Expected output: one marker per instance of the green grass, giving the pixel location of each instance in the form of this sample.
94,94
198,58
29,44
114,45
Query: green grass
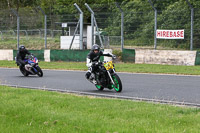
37,111
157,68
30,43
120,67
36,43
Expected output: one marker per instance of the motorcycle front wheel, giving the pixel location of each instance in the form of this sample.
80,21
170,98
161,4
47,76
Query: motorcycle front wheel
118,84
40,73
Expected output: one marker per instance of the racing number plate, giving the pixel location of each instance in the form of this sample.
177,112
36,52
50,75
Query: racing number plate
108,65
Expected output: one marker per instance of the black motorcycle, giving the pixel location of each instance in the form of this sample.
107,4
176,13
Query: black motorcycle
106,77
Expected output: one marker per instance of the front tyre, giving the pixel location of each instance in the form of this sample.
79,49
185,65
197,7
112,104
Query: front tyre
40,73
118,84
99,87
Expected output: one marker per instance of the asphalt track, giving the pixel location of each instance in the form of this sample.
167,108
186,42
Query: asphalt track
175,89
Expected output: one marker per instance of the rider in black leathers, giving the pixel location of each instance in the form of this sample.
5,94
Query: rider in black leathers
93,59
21,54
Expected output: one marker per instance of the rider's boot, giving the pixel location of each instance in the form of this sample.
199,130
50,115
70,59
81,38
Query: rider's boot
92,78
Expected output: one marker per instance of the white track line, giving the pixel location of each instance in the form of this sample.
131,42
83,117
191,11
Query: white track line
109,96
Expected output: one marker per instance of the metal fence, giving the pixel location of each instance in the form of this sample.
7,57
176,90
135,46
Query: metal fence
32,28
129,24
140,25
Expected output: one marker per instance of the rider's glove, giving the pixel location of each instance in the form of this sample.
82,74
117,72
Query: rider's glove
114,56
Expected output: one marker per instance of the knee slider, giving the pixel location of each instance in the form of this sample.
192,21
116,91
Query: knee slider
87,75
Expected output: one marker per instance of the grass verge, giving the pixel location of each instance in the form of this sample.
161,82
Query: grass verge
31,43
25,110
120,67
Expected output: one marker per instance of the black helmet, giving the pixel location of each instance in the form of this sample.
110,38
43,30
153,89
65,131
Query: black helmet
21,48
95,47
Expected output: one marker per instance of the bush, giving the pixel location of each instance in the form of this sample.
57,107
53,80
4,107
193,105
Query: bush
118,53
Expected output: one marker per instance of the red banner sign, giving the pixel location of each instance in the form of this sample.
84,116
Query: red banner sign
170,34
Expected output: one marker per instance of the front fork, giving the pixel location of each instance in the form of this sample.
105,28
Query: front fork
111,78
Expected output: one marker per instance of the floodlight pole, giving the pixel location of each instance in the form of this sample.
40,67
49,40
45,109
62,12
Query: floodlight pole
18,26
45,27
81,26
122,26
155,25
192,24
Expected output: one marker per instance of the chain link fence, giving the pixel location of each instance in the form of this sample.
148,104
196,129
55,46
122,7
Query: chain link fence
179,17
32,28
138,26
109,23
139,23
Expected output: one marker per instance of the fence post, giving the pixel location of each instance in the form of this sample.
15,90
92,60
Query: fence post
81,26
94,20
40,33
192,24
45,31
26,34
122,26
92,23
45,27
155,25
18,26
74,34
1,35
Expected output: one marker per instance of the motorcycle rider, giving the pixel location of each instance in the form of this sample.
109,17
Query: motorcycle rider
93,60
21,54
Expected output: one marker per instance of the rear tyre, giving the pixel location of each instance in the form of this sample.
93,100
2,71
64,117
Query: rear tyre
118,84
23,71
40,73
99,87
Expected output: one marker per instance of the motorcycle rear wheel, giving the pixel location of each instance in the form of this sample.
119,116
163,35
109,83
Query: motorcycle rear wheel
118,83
99,87
40,73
